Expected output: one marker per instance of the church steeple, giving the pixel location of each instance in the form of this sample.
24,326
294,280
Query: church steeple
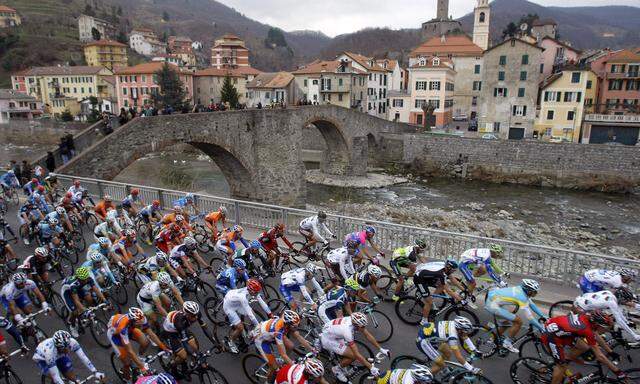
482,15
443,10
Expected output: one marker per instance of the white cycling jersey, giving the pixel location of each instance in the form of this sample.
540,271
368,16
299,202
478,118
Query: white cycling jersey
433,266
475,255
150,291
337,335
11,292
47,354
298,277
611,279
401,376
341,257
313,224
605,300
236,302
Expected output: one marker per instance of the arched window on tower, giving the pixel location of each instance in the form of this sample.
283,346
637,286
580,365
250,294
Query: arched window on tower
482,17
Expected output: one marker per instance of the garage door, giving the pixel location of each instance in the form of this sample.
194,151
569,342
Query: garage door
516,133
605,134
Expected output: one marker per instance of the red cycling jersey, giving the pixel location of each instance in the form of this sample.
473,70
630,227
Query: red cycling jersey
291,374
269,240
563,331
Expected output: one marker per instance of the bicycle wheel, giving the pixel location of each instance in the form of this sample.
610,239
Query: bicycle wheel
269,292
255,368
116,364
468,377
380,326
92,220
300,257
277,306
211,375
79,242
217,265
33,336
532,347
10,376
64,267
529,370
119,294
98,330
143,232
203,291
486,343
409,310
560,308
627,352
463,312
213,311
405,361
58,305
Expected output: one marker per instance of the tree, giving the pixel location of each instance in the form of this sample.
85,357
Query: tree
511,30
95,34
172,92
229,93
164,37
66,115
88,10
122,37
119,11
275,38
165,16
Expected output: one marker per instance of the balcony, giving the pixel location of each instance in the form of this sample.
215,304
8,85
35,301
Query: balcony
612,118
623,75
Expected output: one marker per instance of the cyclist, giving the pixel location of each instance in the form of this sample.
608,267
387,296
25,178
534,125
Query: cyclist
211,222
228,279
77,290
170,217
311,229
51,186
605,300
436,274
37,266
334,304
340,261
520,296
52,357
417,374
407,258
29,216
152,299
186,202
595,280
180,254
128,241
483,261
131,326
7,254
77,189
163,378
61,215
9,181
247,255
148,269
276,331
109,229
105,248
227,241
338,337
309,371
579,333
368,278
269,242
30,186
438,341
150,215
49,232
100,271
176,329
103,207
129,202
295,280
362,238
236,303
168,237
8,326
184,224
15,296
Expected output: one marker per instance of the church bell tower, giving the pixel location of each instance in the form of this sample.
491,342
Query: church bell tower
482,15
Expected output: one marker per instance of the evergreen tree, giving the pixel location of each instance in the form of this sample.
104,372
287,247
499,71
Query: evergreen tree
171,89
88,10
119,12
229,93
165,16
95,34
66,115
511,30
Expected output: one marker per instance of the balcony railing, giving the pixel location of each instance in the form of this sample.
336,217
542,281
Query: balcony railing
612,118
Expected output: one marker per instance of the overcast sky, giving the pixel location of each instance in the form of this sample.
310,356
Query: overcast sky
334,17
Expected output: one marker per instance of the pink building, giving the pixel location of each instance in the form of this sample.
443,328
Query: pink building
136,85
19,81
620,81
555,55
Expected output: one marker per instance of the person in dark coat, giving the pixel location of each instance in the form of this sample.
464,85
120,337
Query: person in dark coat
26,172
64,150
16,169
50,162
71,144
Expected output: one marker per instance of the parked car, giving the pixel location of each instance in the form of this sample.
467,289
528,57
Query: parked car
555,139
489,136
462,117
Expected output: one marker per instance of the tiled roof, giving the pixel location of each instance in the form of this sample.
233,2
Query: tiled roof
541,22
443,63
562,43
235,72
391,64
624,56
142,29
271,80
229,36
455,45
66,70
4,8
11,94
144,68
364,61
323,66
106,43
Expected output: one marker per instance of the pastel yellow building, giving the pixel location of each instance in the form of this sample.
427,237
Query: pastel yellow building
9,17
107,53
564,100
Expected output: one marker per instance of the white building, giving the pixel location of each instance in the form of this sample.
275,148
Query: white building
145,42
267,88
377,84
87,23
397,76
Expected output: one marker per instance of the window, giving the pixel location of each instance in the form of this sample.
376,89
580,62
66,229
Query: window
477,85
523,75
448,103
499,92
617,68
501,76
525,59
423,61
541,68
571,115
520,92
421,85
435,61
476,69
419,119
124,91
340,97
90,90
435,103
482,17
434,86
398,103
267,95
589,84
549,115
449,87
81,89
547,132
503,60
575,77
519,110
474,100
420,102
552,96
339,82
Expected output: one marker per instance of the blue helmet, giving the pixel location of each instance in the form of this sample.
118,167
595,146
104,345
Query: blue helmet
370,229
239,264
255,244
189,196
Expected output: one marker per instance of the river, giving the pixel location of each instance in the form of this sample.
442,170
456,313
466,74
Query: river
591,221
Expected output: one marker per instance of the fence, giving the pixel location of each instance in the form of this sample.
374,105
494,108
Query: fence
559,265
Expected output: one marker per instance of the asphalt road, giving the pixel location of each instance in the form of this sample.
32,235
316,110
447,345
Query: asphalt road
402,342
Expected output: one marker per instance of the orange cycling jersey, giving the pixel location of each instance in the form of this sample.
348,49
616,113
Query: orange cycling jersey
168,218
214,217
102,207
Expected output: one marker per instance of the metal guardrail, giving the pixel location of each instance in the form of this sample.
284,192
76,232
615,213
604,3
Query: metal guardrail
562,266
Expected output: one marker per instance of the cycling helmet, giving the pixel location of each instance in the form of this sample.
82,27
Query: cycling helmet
311,268
223,211
174,227
191,307
104,241
600,318
137,315
176,209
627,273
165,378
76,183
255,244
61,211
451,264
530,286
53,221
135,192
83,273
463,324
34,180
164,278
41,251
190,242
19,278
179,218
107,198
359,319
314,367
254,286
322,216
352,284
130,232
155,203
95,257
189,196
369,229
421,374
237,228
374,271
10,172
61,339
239,264
420,244
40,188
161,256
496,248
68,194
624,294
291,317
352,244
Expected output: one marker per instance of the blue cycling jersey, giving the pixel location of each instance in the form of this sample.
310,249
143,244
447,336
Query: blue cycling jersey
228,279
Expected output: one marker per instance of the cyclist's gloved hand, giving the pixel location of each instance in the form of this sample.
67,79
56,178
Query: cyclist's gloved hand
621,374
100,375
334,236
502,284
375,371
385,352
476,370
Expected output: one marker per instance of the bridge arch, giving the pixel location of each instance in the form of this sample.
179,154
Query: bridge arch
336,157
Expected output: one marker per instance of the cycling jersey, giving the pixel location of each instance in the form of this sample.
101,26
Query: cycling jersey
510,296
429,275
337,335
183,202
95,247
477,257
228,279
100,270
595,280
121,329
149,210
607,301
341,261
105,229
9,180
397,376
563,331
359,237
102,207
214,217
403,258
148,380
269,332
52,361
147,295
72,286
363,280
333,301
47,232
11,293
312,226
176,328
269,240
292,374
228,241
30,187
236,303
130,200
55,215
8,326
36,265
431,335
294,281
151,265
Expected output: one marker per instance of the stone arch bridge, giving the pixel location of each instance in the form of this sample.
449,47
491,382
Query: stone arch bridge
259,151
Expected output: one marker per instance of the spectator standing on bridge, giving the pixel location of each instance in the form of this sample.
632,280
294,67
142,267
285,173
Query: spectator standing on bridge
64,150
123,116
71,145
50,162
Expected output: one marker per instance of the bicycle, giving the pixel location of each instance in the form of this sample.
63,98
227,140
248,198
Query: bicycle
10,195
31,332
531,370
97,327
409,309
489,342
89,379
199,366
453,372
380,325
5,227
134,371
7,373
319,253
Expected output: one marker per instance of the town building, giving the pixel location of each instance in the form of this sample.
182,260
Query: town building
510,81
146,42
18,105
61,88
397,77
208,83
87,23
377,83
229,52
171,58
181,46
556,55
620,86
565,99
107,53
136,85
467,60
268,88
9,17
481,23
399,106
542,28
442,24
333,82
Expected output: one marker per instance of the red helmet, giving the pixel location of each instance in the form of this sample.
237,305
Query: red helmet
156,203
34,180
135,191
68,195
175,227
40,188
254,286
66,201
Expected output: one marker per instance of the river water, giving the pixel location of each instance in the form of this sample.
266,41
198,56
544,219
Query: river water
591,221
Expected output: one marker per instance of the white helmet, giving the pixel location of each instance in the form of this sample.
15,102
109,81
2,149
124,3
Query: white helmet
530,286
374,271
190,242
191,307
95,257
164,278
104,241
463,324
359,319
61,211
